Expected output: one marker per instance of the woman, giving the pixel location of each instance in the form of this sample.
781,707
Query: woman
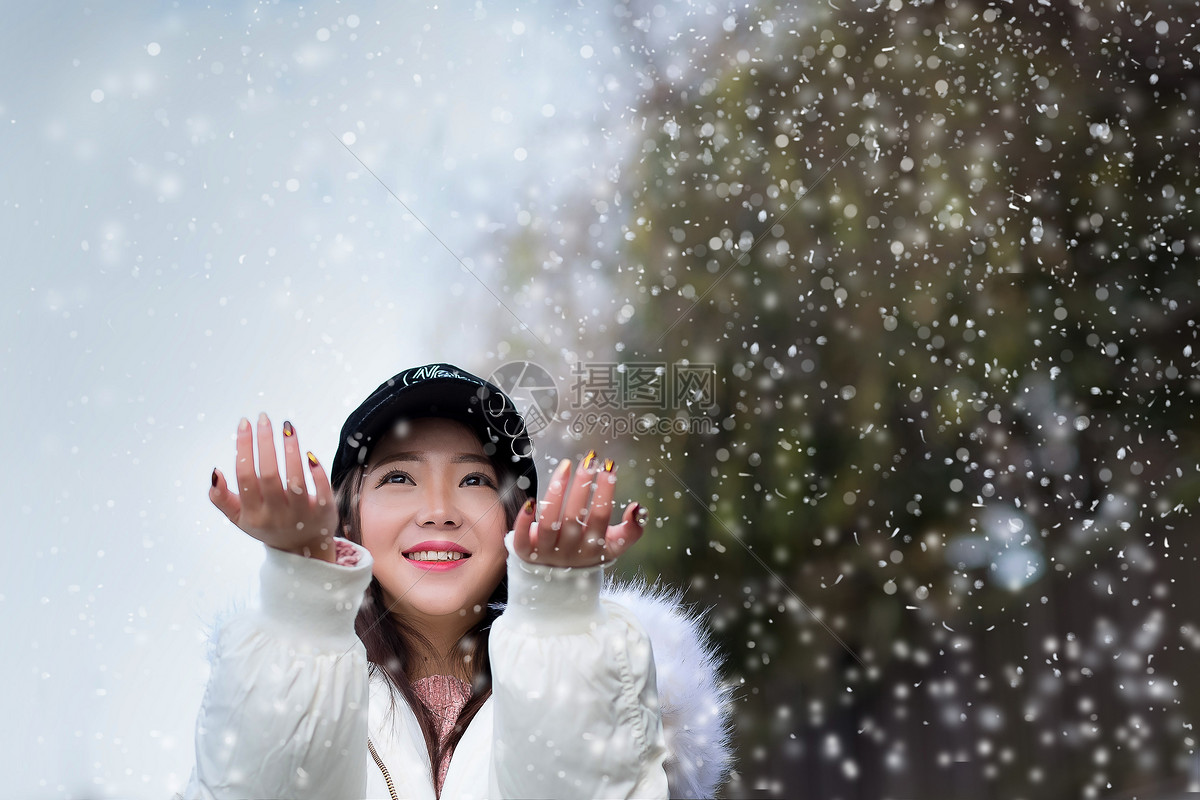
422,688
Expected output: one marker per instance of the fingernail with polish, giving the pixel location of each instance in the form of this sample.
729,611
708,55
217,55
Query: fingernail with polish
609,465
312,460
528,507
288,430
587,461
214,476
640,515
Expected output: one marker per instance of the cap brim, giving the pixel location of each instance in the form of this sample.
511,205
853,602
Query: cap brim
434,398
489,414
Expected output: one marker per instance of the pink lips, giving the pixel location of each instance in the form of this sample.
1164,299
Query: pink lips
440,546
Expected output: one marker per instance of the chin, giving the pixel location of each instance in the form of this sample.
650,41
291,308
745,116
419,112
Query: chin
442,595
435,605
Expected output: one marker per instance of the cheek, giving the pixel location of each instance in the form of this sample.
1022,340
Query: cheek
497,529
374,524
485,510
489,528
495,558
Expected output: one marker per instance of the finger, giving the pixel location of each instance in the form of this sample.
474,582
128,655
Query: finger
549,522
268,465
293,463
247,478
523,537
575,515
324,492
620,538
227,502
595,532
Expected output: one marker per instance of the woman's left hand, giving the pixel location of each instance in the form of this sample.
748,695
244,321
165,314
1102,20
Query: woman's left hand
570,527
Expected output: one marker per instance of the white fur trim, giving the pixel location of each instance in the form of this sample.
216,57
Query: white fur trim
696,705
232,609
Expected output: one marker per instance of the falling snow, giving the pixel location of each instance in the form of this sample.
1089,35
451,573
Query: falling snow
941,257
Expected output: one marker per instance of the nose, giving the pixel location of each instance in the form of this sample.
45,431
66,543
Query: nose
438,508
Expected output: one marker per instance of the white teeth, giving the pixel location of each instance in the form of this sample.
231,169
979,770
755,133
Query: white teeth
435,555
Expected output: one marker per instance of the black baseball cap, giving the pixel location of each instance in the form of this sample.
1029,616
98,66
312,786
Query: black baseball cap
438,390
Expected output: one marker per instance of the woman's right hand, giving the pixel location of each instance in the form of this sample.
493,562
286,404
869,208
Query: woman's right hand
284,517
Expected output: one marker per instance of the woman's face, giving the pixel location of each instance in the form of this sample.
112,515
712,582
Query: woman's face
433,521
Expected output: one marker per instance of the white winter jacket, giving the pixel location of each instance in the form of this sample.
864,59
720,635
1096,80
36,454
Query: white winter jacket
574,713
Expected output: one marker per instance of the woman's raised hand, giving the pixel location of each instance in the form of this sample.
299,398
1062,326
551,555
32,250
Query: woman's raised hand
285,517
572,527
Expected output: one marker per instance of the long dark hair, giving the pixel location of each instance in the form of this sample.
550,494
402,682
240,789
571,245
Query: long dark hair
391,641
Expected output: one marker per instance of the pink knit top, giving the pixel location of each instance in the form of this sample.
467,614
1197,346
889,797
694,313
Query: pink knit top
347,556
443,695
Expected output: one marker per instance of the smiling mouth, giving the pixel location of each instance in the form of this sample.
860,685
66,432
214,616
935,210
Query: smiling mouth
436,555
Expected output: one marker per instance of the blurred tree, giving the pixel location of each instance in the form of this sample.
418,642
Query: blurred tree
942,258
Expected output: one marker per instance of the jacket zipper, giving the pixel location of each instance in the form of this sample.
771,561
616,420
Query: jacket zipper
379,762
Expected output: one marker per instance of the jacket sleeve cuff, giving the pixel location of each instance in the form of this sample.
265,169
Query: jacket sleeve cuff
545,600
314,595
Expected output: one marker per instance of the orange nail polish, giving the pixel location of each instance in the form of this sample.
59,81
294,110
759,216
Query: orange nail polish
312,460
288,430
528,507
587,462
609,465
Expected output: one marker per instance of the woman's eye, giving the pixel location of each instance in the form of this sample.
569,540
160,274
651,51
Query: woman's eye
396,477
478,479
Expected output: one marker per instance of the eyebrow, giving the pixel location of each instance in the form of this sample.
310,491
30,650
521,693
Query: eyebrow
460,458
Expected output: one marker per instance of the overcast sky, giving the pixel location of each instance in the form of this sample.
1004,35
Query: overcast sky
187,240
